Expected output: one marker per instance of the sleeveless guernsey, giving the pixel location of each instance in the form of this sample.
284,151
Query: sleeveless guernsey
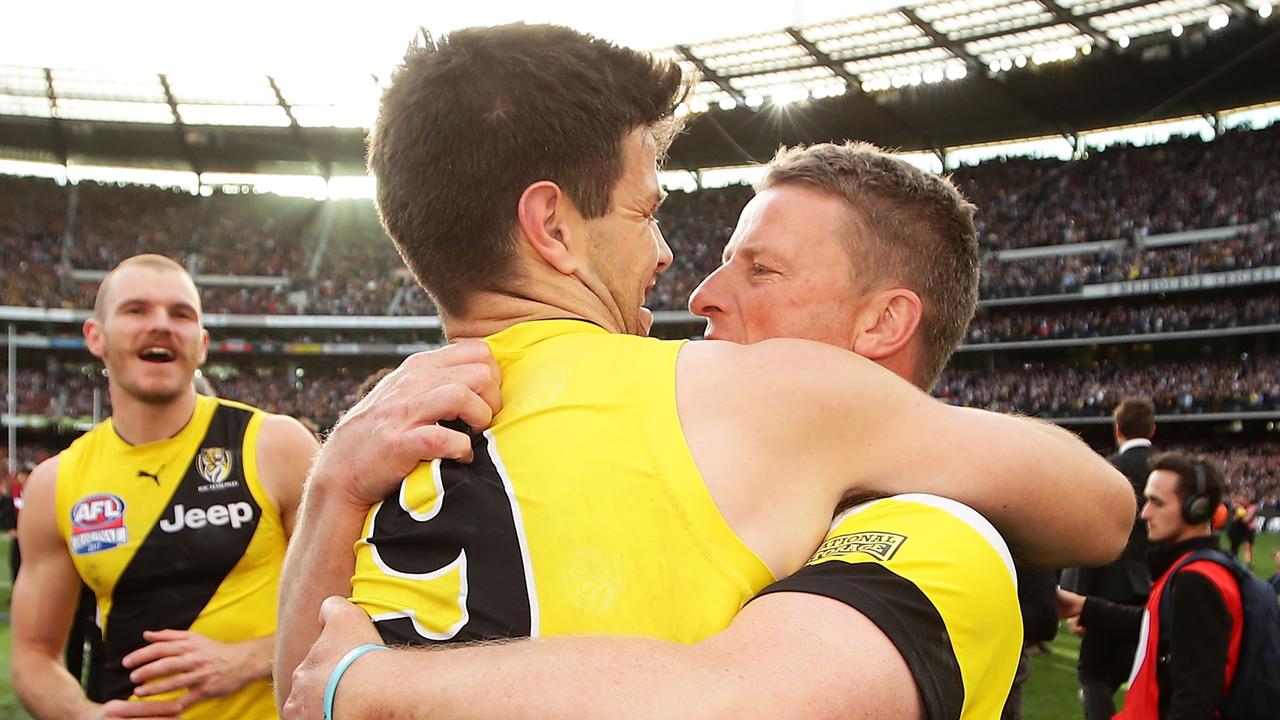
583,511
176,534
938,581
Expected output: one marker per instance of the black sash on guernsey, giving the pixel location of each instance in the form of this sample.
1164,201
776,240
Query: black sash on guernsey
476,518
180,564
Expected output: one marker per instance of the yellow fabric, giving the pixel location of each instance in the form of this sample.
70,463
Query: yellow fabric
953,556
244,605
620,534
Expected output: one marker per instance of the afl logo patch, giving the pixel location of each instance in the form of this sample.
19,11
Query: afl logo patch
879,545
97,524
214,465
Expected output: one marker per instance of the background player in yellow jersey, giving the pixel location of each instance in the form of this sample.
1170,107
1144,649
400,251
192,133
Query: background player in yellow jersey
175,511
539,219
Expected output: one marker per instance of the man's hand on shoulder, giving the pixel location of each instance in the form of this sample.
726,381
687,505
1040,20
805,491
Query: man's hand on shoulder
389,431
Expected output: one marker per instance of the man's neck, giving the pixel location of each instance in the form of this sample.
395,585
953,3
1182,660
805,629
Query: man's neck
490,312
139,423
1127,444
1191,533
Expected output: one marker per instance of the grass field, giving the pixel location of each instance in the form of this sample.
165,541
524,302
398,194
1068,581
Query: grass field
1050,693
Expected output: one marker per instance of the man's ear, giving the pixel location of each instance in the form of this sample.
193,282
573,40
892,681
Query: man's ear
93,339
888,323
541,216
204,346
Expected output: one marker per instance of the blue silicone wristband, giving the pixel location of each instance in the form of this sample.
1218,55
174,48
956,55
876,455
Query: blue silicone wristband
332,688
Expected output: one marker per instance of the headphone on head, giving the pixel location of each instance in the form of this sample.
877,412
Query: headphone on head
1198,508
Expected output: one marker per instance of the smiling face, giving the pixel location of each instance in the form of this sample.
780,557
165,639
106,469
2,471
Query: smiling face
626,249
785,273
147,329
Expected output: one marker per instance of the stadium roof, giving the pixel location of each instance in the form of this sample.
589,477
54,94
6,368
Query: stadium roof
926,75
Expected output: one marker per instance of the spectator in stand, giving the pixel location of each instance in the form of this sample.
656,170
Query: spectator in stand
1126,193
1066,390
1137,317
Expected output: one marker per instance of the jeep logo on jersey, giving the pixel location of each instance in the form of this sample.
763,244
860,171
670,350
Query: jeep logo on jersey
214,465
235,515
97,524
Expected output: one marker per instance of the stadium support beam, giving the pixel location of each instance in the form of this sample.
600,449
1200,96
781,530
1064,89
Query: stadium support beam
1077,22
179,127
976,67
324,166
854,85
824,59
1240,10
710,74
55,122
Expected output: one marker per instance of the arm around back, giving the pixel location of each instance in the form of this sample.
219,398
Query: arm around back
829,417
785,655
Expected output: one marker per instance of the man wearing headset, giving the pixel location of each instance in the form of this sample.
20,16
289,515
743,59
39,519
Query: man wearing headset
1185,658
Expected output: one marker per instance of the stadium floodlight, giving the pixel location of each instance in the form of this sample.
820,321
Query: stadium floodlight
957,72
728,103
697,106
1020,61
1006,64
1217,21
1123,41
1086,49
1176,29
1264,10
754,101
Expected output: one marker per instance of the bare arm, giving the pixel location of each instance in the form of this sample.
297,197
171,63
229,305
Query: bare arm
786,655
850,427
374,446
285,453
44,603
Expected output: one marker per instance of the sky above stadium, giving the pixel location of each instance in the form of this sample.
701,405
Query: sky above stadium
269,36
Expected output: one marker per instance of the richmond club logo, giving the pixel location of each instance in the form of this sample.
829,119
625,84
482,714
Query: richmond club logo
215,465
97,524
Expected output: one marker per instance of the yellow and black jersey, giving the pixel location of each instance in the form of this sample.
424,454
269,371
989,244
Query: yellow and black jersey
583,511
938,580
176,534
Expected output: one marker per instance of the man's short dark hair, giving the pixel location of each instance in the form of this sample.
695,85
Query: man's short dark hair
474,118
923,230
1185,467
1135,418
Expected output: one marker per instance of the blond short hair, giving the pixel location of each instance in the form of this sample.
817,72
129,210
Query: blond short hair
147,260
907,227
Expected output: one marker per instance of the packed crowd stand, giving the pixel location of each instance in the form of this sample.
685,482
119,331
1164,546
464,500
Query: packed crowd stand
1134,317
1259,247
1056,390
1126,193
1065,390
